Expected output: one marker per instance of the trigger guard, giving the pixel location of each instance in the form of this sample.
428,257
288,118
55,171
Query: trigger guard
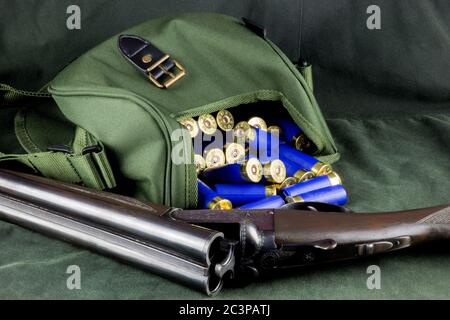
316,206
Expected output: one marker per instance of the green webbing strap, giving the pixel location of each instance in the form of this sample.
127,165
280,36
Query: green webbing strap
85,162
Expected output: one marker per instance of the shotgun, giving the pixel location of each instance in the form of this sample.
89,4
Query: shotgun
205,248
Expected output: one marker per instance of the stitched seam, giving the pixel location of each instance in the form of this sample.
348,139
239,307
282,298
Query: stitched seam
21,131
13,91
74,169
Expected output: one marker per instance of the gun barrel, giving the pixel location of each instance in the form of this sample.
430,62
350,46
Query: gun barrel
191,254
121,214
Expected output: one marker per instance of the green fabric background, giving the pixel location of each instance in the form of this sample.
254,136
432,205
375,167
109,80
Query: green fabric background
385,94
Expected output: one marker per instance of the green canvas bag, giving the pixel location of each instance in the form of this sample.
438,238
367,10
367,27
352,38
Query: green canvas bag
227,65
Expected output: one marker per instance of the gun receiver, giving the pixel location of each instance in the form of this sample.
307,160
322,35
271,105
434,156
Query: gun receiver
201,248
302,235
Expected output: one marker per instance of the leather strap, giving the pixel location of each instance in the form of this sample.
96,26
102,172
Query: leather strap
149,60
254,27
135,49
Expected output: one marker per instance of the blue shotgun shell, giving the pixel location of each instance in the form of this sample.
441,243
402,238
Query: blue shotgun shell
293,134
272,202
264,144
240,194
316,183
245,172
332,195
305,161
289,130
209,199
274,171
295,170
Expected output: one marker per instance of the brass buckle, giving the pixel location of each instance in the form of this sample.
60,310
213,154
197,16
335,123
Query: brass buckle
173,77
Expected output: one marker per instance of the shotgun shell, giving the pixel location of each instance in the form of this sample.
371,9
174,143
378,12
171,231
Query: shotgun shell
305,162
321,169
274,171
301,142
207,123
240,194
257,122
266,144
289,181
243,131
303,175
191,126
225,120
316,183
274,130
234,152
295,170
289,129
214,158
332,195
294,135
252,170
208,198
247,171
199,162
272,202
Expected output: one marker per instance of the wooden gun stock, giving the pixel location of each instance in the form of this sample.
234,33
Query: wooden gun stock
338,236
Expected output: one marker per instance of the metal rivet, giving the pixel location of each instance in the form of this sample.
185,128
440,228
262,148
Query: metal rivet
147,58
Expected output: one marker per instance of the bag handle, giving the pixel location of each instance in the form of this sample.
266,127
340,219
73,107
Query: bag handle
84,163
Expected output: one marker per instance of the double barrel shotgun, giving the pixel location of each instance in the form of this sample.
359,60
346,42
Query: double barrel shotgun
204,248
